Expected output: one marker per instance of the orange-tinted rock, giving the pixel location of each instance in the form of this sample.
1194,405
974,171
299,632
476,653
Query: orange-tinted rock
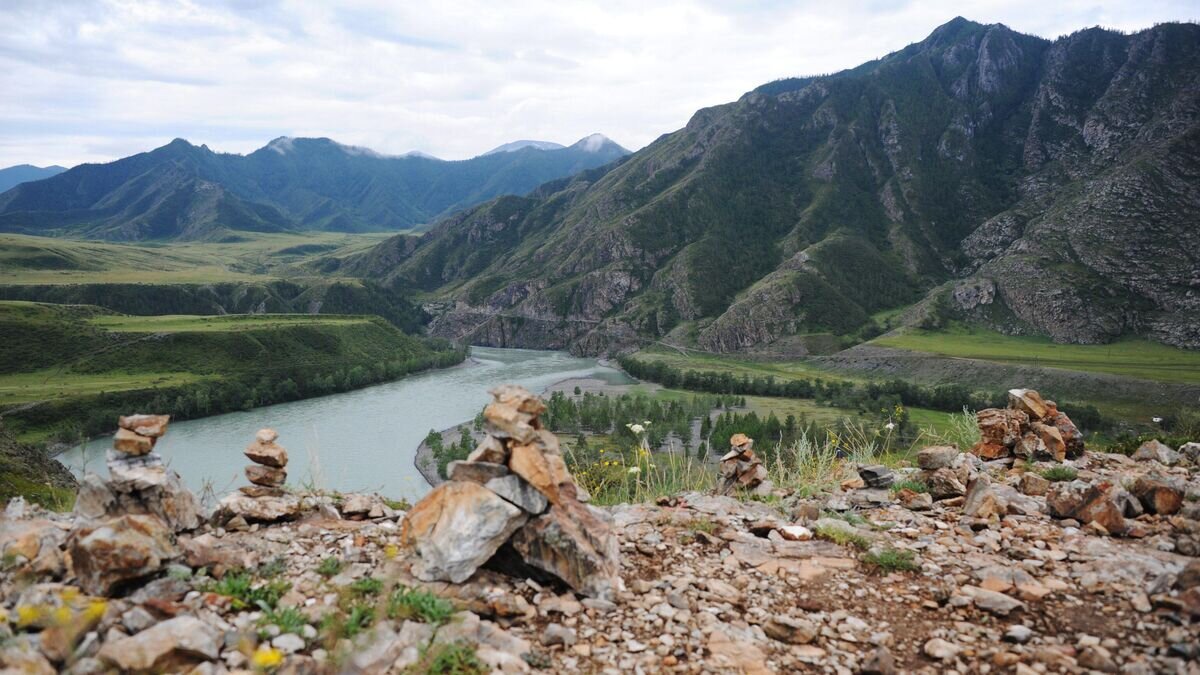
1071,435
266,435
1050,436
1158,495
985,450
574,543
110,555
1000,425
153,426
268,476
132,443
267,454
543,471
1097,503
490,449
1029,402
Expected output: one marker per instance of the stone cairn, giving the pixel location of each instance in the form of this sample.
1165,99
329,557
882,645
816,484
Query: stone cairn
742,469
1029,428
513,502
139,481
265,500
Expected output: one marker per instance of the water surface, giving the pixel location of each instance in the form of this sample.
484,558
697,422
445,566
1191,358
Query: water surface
362,440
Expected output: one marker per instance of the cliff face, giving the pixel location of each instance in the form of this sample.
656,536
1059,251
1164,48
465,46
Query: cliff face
1060,175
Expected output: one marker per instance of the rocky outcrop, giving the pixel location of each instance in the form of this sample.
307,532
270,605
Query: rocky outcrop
1028,428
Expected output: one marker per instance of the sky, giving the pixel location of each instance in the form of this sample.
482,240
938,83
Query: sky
92,81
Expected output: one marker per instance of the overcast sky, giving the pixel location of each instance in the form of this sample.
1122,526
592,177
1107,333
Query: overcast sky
94,81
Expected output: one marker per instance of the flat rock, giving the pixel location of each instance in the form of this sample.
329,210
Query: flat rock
475,472
1157,451
490,449
132,443
936,457
456,528
263,509
173,645
267,476
267,453
515,490
153,426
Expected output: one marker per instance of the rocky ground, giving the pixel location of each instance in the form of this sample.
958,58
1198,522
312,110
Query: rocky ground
955,565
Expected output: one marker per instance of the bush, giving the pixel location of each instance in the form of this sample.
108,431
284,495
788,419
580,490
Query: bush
891,560
1060,473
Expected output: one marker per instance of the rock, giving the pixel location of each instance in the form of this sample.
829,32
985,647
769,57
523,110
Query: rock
944,483
1097,658
795,533
356,504
545,472
153,426
1157,451
990,451
728,655
791,631
267,476
876,476
288,643
513,413
267,453
258,491
1001,426
1029,402
879,662
1051,439
557,634
490,449
1070,434
172,645
575,543
1189,576
939,649
1017,503
109,556
21,657
992,601
982,501
132,443
520,493
1018,634
456,528
1157,494
260,509
915,501
475,472
32,545
1191,451
266,435
740,468
936,457
1088,503
1032,484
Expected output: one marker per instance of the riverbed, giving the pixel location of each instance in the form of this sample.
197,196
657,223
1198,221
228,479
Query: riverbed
356,441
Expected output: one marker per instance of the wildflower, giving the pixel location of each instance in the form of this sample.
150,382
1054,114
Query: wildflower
69,594
391,551
266,658
636,428
95,611
27,614
1156,420
646,423
889,426
62,616
635,470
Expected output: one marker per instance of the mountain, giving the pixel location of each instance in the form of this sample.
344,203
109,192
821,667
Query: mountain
1034,186
23,173
185,191
518,145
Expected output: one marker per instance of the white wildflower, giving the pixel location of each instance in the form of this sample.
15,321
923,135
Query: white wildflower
889,426
635,469
636,428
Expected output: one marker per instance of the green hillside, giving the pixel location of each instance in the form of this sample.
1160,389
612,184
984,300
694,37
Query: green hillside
70,369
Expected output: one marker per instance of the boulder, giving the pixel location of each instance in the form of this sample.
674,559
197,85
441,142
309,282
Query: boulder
545,472
575,543
520,493
1190,451
1070,434
132,443
792,631
1029,402
109,556
258,509
267,476
874,476
267,453
475,472
153,426
1029,447
490,449
32,545
456,528
944,484
915,501
1158,494
1001,426
513,413
982,501
1051,438
139,485
936,457
1157,451
990,451
1032,484
171,646
1097,503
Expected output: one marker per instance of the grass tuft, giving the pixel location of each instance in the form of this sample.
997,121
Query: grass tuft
910,484
891,560
1058,474
411,603
449,659
842,537
329,567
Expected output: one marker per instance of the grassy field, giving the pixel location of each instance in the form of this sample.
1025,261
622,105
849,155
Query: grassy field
28,259
55,383
1128,358
182,323
738,366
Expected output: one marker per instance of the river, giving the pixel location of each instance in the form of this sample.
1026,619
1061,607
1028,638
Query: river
357,441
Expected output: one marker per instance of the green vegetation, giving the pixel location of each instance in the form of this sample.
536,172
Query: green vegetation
27,470
453,658
366,586
891,560
1128,358
247,591
329,567
409,603
913,485
84,365
842,536
1057,474
287,619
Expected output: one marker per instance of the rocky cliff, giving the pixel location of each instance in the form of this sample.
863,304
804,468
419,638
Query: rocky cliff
1058,177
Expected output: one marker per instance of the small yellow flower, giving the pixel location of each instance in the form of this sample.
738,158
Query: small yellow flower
27,615
391,551
95,610
62,616
266,658
70,594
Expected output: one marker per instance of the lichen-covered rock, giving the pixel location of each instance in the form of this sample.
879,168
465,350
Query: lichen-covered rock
1001,426
107,557
1157,451
1097,503
1158,494
936,457
456,528
1029,402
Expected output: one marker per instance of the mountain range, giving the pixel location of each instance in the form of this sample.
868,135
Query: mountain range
23,173
184,191
1028,185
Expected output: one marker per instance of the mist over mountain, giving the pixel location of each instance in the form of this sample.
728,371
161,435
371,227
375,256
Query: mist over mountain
186,191
1032,186
23,173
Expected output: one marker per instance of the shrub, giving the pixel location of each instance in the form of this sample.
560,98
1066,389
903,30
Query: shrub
288,619
246,593
891,560
911,484
408,603
454,658
329,567
1060,473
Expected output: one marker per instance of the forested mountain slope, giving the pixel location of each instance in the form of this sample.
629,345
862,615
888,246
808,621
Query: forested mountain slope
1035,186
183,191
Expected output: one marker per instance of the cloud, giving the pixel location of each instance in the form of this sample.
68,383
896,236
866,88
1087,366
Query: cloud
92,81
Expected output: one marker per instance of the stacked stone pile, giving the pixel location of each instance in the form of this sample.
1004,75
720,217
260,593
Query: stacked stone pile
264,500
741,469
513,502
139,481
1029,428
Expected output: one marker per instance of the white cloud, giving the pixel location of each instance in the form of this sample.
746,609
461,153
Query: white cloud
91,81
